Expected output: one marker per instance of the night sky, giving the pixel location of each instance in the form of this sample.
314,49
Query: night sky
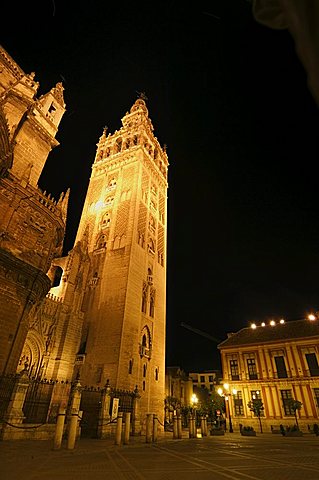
229,98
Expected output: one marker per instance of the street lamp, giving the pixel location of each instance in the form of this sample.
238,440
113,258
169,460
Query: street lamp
224,392
194,401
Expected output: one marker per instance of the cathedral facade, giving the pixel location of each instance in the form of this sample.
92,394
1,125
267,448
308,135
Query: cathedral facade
104,320
32,224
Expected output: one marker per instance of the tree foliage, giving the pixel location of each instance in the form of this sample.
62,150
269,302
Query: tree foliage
294,405
257,407
209,402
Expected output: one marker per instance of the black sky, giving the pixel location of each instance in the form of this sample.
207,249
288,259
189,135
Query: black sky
229,97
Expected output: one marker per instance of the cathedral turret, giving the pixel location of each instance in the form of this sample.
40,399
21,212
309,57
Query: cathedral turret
52,107
33,123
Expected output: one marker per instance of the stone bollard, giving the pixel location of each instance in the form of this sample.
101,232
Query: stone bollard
73,429
118,433
205,426
175,432
191,426
202,426
59,428
136,421
149,427
104,426
72,426
179,427
127,428
154,428
194,426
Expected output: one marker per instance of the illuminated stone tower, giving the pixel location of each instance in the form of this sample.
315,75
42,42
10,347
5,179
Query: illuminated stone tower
124,218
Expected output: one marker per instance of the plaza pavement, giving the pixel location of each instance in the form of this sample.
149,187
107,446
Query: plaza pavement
228,457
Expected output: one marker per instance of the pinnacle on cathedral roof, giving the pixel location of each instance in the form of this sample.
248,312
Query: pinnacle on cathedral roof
57,91
63,203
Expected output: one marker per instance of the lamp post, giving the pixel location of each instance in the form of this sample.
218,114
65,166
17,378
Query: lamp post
225,392
194,401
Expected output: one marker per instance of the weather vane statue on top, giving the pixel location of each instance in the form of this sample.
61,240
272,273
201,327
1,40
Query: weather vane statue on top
142,95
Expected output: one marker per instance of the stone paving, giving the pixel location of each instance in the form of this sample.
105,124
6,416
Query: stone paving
231,457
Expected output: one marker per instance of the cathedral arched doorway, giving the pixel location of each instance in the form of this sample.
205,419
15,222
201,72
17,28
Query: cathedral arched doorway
31,358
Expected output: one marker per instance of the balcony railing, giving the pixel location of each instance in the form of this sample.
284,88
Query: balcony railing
314,372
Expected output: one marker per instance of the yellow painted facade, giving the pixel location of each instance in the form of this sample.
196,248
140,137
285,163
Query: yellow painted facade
273,363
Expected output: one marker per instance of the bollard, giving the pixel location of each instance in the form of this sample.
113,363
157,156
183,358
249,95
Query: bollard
127,428
72,430
179,427
149,425
194,426
59,429
202,426
118,433
175,432
191,426
205,426
154,428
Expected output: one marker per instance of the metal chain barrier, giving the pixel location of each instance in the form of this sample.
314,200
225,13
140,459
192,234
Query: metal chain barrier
162,424
24,428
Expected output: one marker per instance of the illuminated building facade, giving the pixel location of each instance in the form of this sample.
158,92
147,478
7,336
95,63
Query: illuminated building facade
124,220
32,223
274,363
98,312
178,385
205,379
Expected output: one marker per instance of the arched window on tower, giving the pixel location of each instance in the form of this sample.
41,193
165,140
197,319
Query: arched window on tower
160,258
152,303
144,297
149,276
118,145
152,224
112,184
101,242
106,221
145,345
144,370
130,366
109,201
141,240
151,246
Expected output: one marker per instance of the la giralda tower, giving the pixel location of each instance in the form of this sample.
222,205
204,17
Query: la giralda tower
124,221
